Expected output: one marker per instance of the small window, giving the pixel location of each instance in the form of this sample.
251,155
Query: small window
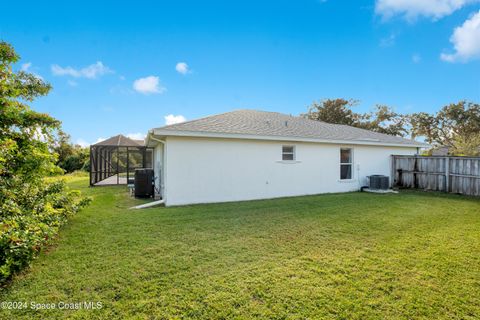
288,153
346,164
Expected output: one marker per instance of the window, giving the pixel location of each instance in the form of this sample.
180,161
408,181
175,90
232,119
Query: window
346,164
288,153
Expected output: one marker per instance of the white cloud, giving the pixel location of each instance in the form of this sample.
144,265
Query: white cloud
90,72
72,83
411,9
136,136
148,85
416,58
182,67
466,41
388,41
82,143
172,119
26,66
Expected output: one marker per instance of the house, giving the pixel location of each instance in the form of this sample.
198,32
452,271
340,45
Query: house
248,154
441,151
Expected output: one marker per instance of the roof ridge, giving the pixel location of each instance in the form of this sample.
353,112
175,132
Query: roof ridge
199,119
118,140
299,116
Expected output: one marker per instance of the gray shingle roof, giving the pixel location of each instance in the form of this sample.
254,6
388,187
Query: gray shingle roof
274,124
120,141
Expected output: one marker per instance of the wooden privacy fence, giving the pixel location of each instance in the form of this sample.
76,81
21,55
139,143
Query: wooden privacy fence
439,173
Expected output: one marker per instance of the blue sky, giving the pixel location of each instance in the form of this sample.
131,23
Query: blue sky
122,67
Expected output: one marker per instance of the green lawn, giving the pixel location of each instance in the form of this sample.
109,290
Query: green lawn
351,256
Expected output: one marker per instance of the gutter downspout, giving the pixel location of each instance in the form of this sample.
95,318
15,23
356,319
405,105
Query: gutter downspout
158,140
162,182
149,204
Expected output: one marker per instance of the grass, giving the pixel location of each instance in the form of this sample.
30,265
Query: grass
350,256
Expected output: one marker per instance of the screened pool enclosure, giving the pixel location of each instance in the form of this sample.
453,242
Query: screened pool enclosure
113,161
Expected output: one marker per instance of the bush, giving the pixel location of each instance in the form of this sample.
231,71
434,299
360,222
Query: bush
73,163
30,223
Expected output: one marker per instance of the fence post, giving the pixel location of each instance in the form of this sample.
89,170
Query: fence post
447,174
415,170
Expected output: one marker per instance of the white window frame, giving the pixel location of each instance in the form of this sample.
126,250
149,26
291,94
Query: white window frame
346,164
293,153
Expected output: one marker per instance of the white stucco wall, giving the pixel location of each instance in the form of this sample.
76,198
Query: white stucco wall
202,170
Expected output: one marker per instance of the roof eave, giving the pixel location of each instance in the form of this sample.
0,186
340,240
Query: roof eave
200,134
149,142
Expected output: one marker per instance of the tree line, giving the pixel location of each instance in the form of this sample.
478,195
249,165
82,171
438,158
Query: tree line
455,126
70,157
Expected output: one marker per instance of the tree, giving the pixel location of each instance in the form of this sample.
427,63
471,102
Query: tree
63,148
71,157
466,146
31,208
333,111
24,134
456,126
383,119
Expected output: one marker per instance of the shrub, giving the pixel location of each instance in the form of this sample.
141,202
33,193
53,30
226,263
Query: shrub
30,223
